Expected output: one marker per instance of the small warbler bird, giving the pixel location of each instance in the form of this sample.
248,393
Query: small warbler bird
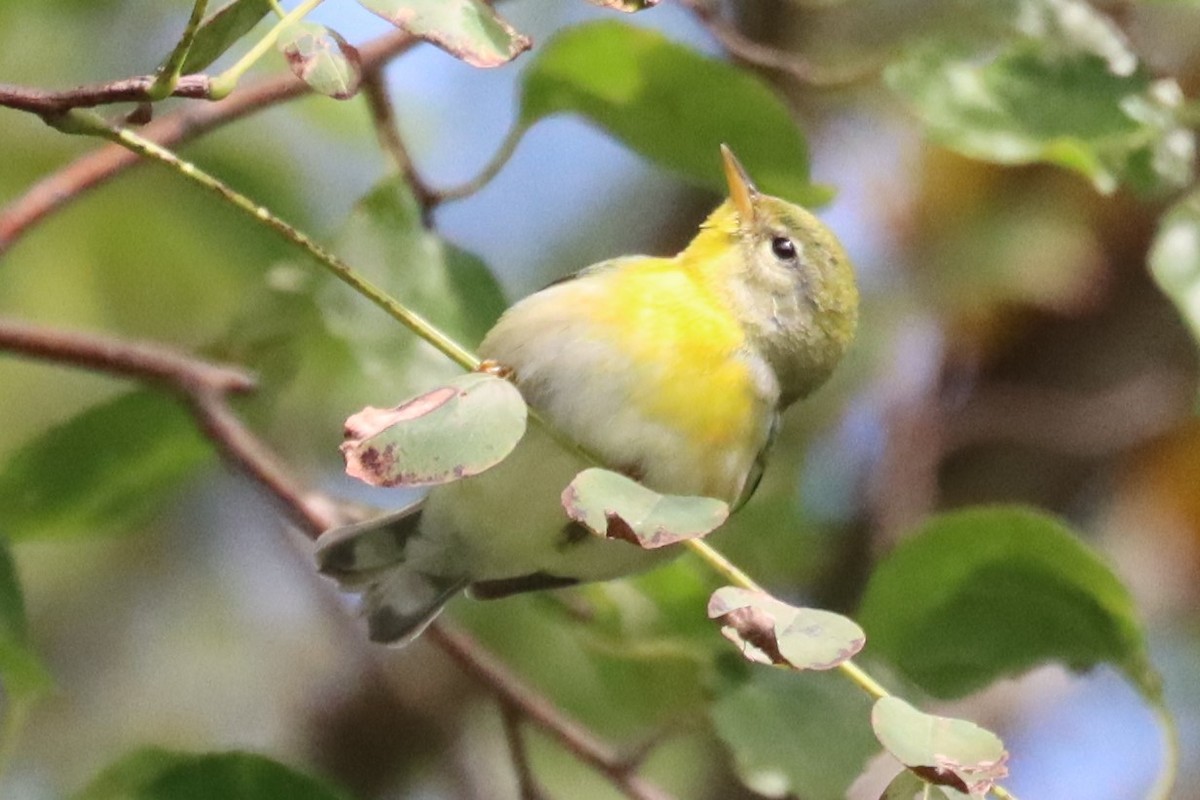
672,371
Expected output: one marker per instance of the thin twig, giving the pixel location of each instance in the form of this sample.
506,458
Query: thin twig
78,121
579,741
240,448
383,114
490,170
203,386
137,89
145,362
94,169
748,51
528,787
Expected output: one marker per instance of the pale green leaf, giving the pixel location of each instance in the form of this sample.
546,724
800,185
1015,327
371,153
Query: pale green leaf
772,632
670,104
387,242
104,470
220,31
611,505
454,431
952,752
469,30
21,672
320,57
795,734
978,595
1175,259
1064,89
905,786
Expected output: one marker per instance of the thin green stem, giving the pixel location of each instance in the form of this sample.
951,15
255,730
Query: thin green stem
715,559
1165,782
225,83
279,10
507,148
87,122
169,72
723,565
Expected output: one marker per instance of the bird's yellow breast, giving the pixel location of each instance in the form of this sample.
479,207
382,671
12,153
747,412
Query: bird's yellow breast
683,344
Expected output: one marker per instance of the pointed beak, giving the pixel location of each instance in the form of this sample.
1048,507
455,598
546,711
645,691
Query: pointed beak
741,189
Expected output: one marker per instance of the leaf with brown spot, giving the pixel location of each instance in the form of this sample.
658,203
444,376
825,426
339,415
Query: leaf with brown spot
320,57
451,432
616,507
769,631
941,750
469,30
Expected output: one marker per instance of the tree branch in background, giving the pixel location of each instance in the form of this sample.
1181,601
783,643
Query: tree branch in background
206,387
528,787
188,123
132,90
539,711
383,115
742,48
140,361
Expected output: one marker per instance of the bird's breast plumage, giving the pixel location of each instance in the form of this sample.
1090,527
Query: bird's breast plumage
644,364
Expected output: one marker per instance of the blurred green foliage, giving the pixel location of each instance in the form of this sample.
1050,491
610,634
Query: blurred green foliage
1025,280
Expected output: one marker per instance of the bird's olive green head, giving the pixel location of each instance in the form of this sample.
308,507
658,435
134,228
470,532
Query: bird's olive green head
786,277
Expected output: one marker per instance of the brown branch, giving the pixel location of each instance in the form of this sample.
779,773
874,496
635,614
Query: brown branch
579,741
135,90
383,115
748,51
145,362
205,388
190,122
528,787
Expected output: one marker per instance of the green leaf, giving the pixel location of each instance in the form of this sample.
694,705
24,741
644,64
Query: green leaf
772,632
220,31
157,774
22,673
320,57
469,30
1175,259
905,786
670,104
945,751
614,506
1066,90
795,734
990,592
452,432
387,242
105,470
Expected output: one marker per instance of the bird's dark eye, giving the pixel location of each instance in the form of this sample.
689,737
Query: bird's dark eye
783,248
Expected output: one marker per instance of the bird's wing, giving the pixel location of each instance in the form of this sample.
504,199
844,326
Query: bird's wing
355,554
759,466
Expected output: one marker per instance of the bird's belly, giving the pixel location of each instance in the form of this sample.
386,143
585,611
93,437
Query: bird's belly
677,430
509,522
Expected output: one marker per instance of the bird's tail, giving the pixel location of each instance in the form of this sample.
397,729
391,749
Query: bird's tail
399,601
